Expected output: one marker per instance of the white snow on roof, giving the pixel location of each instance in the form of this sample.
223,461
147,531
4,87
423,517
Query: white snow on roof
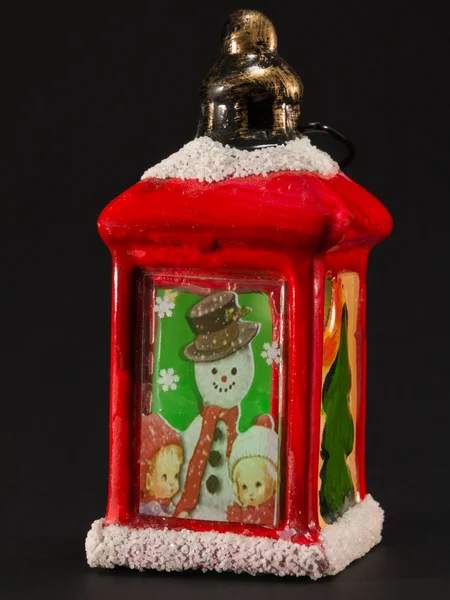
207,160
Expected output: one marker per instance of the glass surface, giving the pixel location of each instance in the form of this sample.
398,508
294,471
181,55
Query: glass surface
211,380
337,464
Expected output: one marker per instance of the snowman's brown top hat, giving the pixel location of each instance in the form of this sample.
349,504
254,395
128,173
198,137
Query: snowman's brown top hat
216,322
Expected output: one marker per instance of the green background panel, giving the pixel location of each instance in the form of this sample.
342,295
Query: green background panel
173,334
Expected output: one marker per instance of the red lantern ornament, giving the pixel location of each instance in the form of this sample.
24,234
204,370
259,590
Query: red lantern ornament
238,360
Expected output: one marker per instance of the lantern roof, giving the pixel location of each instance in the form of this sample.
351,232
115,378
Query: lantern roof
250,175
289,208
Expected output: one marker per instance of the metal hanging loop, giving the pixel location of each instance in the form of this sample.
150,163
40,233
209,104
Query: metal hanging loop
318,127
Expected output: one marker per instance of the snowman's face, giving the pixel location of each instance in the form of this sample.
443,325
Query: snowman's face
225,382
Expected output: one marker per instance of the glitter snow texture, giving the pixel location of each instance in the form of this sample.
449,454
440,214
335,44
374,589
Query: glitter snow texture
352,536
207,160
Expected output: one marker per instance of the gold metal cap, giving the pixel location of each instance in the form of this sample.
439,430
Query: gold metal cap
251,97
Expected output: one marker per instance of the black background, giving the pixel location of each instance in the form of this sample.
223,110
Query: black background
101,92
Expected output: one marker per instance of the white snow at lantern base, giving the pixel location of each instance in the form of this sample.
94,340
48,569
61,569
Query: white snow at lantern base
352,536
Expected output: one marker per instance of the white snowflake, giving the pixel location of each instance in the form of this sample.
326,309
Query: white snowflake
164,306
271,353
168,380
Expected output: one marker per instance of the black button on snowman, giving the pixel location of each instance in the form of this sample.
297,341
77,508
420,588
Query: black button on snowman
224,371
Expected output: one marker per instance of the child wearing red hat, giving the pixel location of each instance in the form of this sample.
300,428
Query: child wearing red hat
160,462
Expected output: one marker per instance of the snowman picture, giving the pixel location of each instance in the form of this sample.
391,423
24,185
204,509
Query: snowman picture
224,369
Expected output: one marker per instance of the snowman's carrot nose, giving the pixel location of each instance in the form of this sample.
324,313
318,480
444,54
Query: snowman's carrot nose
224,378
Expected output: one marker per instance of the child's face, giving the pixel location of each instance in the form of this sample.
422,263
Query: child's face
162,477
254,480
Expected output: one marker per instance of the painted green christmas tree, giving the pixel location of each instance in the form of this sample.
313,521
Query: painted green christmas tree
337,493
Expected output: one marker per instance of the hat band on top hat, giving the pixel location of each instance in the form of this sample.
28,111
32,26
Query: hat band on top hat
218,339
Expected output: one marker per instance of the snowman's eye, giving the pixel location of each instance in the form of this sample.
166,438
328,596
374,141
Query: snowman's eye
164,477
244,487
233,371
258,484
214,371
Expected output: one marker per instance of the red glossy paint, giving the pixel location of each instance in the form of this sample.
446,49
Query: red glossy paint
291,226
